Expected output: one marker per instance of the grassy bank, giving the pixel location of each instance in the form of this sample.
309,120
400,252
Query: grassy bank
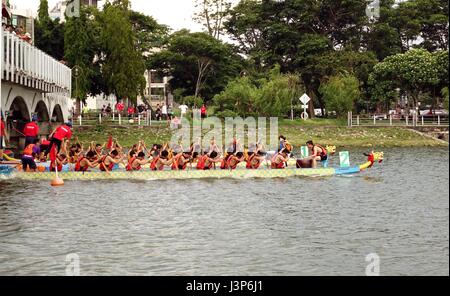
327,132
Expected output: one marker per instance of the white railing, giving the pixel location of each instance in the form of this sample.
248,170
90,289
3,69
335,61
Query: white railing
391,120
25,64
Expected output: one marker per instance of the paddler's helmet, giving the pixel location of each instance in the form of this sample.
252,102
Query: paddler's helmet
69,124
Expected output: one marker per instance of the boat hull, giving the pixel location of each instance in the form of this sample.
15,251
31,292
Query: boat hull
189,174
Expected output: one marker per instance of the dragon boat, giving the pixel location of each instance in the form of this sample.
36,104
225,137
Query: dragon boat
8,171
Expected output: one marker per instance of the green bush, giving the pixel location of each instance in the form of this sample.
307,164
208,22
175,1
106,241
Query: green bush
340,93
193,101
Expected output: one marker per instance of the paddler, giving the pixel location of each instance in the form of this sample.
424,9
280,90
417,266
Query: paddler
318,153
207,161
233,161
181,161
61,159
107,162
160,161
255,160
280,159
84,162
30,153
137,161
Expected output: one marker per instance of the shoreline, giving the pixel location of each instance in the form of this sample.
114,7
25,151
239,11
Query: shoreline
340,136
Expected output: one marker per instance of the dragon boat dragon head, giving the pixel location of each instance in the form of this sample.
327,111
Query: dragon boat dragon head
375,157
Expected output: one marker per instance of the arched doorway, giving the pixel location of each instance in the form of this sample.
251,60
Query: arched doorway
43,118
17,118
42,112
57,115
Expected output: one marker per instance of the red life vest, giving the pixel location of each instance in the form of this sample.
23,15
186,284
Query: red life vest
153,166
103,165
275,165
226,162
79,168
252,166
130,165
232,166
52,167
201,165
324,151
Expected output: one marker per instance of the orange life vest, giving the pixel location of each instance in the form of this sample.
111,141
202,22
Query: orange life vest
28,151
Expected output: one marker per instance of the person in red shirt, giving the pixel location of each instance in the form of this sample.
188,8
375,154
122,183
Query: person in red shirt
31,131
203,111
59,134
3,134
120,106
131,111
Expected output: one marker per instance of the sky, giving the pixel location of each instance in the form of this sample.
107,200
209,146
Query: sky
177,14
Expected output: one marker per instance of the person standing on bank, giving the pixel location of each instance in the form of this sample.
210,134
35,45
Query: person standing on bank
31,131
58,136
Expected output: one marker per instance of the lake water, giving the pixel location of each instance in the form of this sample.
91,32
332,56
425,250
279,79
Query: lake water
301,226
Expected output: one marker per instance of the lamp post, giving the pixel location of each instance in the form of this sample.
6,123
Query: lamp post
76,71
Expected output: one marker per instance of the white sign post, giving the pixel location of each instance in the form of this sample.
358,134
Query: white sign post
305,100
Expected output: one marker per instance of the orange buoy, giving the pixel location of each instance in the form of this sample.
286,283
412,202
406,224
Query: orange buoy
41,168
57,182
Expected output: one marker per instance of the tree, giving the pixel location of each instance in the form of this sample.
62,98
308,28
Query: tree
197,63
122,63
340,93
239,97
82,46
414,72
49,34
149,33
43,15
211,15
445,95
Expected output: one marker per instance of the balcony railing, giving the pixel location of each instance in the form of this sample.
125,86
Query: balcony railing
25,64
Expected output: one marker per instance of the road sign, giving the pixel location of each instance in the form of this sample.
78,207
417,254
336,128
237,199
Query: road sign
344,158
305,99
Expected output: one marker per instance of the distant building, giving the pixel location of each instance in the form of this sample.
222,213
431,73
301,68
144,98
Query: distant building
157,90
23,18
58,11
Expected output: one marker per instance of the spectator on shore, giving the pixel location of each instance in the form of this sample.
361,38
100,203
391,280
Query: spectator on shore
120,107
184,110
158,112
164,112
131,111
203,111
108,110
